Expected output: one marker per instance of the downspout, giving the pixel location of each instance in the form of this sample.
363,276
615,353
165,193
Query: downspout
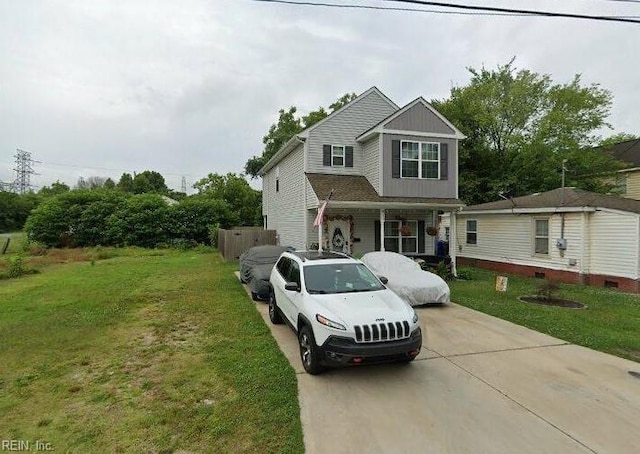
382,218
452,242
583,248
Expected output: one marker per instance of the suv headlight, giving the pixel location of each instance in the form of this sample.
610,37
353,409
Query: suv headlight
330,323
415,316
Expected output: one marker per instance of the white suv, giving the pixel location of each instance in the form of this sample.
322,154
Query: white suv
343,314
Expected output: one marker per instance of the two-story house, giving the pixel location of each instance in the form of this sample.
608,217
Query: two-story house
628,180
390,172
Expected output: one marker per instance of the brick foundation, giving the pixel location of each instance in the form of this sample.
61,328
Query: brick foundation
598,280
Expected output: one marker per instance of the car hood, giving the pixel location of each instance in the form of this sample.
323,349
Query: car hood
363,307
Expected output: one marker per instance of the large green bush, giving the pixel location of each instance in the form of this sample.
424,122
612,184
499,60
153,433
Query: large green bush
81,218
15,209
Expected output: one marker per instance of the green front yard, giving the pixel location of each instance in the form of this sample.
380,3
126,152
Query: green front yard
610,322
141,351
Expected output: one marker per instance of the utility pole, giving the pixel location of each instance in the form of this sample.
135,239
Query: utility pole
24,170
564,169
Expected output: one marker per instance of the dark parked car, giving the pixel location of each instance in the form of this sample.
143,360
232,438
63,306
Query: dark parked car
255,269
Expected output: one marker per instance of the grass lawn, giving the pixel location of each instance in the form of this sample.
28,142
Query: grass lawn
15,244
610,323
141,351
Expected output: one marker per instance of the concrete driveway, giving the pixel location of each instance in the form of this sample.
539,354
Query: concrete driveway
480,385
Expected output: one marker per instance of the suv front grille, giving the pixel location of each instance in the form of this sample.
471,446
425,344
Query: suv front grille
380,332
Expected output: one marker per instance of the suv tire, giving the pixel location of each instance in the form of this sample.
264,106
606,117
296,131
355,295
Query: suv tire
274,313
309,351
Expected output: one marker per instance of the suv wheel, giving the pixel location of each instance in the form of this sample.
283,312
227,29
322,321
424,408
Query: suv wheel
309,351
274,313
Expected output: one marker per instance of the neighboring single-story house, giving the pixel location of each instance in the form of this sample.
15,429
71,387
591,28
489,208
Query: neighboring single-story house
566,234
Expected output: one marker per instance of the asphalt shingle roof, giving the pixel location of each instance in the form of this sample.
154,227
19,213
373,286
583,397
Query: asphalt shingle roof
554,199
356,188
628,152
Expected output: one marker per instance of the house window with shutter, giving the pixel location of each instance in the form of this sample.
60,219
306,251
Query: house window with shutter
337,156
401,236
420,160
472,231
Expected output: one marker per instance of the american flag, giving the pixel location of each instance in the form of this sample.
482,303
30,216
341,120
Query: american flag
317,222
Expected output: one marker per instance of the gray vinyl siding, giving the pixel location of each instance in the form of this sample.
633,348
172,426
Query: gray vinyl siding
342,129
419,118
285,209
413,187
371,162
311,198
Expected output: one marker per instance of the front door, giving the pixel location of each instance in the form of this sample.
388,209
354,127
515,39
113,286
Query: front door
339,235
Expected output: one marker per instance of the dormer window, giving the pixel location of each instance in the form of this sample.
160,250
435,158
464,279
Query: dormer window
337,156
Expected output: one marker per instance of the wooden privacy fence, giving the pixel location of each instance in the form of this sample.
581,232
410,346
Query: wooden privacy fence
232,243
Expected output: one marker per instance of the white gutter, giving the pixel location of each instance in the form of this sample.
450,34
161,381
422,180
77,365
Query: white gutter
390,205
552,210
281,153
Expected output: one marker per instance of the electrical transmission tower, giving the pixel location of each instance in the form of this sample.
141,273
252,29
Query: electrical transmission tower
24,170
184,185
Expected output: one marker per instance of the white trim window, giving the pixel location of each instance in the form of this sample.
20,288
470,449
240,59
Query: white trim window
472,231
401,236
337,156
541,236
420,160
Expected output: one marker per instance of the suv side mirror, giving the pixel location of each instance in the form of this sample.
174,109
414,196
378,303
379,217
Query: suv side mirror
383,279
292,287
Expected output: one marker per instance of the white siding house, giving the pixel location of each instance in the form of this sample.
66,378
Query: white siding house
567,235
351,154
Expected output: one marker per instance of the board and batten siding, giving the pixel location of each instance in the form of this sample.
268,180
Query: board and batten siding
614,240
371,162
509,238
342,129
419,118
415,187
285,209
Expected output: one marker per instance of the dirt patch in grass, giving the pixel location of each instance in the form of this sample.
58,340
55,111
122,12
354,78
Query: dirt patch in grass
557,302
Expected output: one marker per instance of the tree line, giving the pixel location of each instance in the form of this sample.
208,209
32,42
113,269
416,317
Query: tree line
130,213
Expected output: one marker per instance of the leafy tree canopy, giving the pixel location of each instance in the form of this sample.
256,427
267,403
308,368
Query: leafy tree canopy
287,126
520,127
235,191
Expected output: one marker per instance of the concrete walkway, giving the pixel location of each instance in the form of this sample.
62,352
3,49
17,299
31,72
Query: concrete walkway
481,385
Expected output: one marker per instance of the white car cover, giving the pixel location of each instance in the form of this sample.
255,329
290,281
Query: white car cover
407,279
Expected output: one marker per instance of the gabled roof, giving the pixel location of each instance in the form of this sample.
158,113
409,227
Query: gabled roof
356,189
628,151
301,136
420,100
556,201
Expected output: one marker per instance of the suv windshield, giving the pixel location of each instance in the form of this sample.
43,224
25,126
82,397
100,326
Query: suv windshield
340,278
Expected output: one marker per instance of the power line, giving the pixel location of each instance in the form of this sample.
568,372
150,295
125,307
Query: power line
519,11
476,10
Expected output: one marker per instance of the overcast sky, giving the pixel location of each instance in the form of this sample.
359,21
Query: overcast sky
98,88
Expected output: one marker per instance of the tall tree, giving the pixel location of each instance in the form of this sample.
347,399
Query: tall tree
233,189
520,126
287,126
125,183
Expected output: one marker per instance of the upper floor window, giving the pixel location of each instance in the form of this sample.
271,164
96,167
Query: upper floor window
472,231
541,236
420,160
337,156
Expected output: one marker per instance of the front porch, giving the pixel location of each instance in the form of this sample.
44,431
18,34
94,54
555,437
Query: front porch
356,231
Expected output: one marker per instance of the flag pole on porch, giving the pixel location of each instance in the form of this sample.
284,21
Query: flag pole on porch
320,217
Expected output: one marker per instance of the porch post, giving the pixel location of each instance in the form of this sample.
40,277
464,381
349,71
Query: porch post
453,237
320,227
382,216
